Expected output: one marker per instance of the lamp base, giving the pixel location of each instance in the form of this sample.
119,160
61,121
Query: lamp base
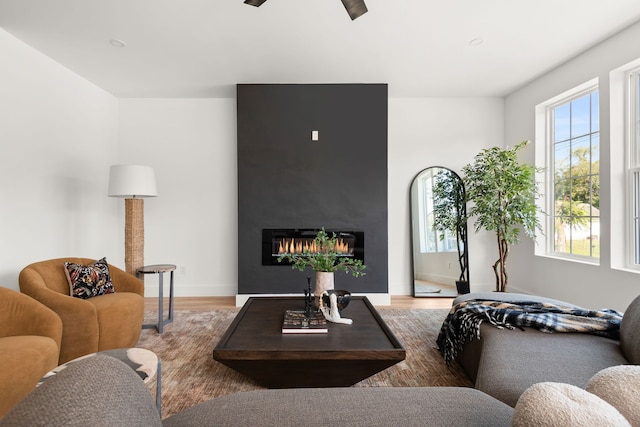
133,235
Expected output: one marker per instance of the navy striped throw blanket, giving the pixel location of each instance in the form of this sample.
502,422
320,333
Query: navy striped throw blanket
463,321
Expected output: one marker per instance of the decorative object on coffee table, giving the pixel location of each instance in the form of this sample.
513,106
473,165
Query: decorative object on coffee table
308,299
342,298
325,280
298,322
330,308
307,321
325,255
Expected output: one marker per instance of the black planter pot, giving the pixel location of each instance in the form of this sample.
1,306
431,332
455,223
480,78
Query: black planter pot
462,287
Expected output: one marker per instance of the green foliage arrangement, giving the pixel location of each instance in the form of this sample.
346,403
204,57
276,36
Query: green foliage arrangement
327,258
503,193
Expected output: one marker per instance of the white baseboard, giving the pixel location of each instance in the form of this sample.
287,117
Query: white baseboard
151,289
376,299
482,287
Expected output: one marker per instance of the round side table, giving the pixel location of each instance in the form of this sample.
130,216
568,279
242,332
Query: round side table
160,269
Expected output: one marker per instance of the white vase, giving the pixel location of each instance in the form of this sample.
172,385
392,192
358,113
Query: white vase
324,282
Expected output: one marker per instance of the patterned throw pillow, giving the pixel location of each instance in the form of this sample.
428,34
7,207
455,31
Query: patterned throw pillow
86,281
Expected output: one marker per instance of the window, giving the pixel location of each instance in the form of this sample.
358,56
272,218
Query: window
430,239
625,166
568,136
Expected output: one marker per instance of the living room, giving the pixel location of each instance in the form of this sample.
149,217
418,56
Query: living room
61,132
87,85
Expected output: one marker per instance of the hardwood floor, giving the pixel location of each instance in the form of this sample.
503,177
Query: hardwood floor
406,301
219,303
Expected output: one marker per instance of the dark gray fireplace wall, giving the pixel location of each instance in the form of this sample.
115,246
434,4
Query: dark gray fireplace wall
286,180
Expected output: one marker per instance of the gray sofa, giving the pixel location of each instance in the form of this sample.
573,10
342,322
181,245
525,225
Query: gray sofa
504,363
102,391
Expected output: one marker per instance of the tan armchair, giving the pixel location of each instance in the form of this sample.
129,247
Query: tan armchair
30,336
89,325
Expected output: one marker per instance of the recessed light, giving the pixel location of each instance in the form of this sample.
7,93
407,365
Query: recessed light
476,42
117,43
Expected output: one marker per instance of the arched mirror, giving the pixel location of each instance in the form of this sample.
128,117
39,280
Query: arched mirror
439,234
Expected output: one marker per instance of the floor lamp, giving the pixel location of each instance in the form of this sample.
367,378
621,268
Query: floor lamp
133,183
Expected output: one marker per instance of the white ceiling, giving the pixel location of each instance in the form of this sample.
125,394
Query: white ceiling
202,48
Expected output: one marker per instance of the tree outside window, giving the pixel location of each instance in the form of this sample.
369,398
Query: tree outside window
576,173
431,238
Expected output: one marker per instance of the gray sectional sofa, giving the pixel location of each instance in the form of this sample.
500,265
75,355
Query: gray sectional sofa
102,391
504,363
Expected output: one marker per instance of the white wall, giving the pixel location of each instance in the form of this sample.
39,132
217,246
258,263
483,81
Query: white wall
588,285
191,144
445,132
58,135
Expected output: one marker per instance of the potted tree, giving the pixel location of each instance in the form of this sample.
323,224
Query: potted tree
502,192
325,259
450,215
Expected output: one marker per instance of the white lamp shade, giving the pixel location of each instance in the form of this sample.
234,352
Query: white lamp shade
132,181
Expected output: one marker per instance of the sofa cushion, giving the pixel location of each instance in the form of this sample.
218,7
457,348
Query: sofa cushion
96,391
630,332
86,281
469,359
620,387
513,360
550,404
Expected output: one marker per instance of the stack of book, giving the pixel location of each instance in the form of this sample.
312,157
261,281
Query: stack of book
297,322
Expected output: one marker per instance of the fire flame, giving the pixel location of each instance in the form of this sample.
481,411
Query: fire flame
299,246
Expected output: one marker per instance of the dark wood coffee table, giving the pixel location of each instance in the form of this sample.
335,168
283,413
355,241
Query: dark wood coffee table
255,346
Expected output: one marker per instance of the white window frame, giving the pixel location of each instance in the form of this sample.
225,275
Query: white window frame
624,104
544,160
633,169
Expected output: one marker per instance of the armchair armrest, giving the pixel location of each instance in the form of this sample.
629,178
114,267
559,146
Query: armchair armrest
125,282
33,284
79,317
23,315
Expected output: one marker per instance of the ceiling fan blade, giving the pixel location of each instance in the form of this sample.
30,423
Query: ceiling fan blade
255,3
355,8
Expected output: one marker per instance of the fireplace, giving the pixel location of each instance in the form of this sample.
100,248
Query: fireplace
293,240
291,184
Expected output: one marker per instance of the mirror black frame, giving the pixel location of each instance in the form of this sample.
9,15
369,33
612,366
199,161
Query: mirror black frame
462,285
